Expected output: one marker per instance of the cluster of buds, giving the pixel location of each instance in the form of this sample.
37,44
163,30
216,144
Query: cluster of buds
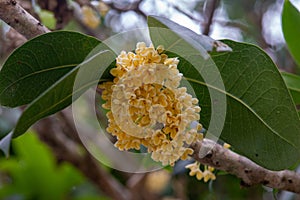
147,107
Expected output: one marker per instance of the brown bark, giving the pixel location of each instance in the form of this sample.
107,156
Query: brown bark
18,18
249,172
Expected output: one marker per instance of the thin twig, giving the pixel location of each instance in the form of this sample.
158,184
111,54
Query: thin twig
189,15
132,7
234,24
250,173
18,18
209,15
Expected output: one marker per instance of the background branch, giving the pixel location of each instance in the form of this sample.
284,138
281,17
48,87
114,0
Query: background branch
209,15
65,148
189,15
131,7
251,174
18,18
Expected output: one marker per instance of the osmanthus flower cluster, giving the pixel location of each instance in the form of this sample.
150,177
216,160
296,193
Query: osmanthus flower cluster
147,107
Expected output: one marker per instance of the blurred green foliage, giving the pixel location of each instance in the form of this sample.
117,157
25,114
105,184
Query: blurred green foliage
48,19
291,29
33,173
225,188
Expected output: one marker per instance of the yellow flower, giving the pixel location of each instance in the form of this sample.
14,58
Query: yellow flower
208,175
226,146
89,17
157,181
187,152
195,170
102,8
147,106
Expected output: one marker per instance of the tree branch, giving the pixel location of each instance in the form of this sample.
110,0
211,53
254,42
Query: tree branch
189,15
209,14
131,7
9,41
18,18
51,132
250,173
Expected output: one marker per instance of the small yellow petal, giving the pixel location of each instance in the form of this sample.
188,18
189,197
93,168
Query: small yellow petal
199,175
227,146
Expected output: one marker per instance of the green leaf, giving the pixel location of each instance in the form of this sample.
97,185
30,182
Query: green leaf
206,42
39,63
291,29
64,91
261,120
38,176
293,83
